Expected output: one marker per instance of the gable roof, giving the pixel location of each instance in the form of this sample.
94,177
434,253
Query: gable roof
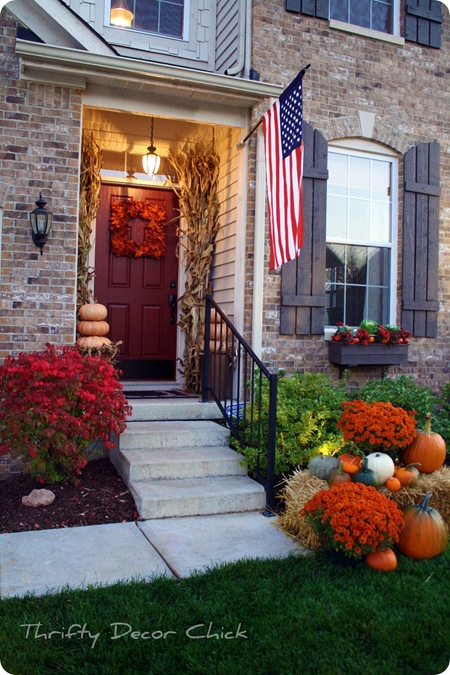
56,24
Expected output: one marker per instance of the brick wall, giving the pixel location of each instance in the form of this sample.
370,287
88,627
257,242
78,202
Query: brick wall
404,88
40,129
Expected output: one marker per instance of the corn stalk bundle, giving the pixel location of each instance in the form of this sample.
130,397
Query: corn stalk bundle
197,169
90,183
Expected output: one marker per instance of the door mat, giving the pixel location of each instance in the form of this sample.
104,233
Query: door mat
159,393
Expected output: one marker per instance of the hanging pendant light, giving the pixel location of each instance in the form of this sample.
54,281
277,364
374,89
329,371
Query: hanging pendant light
151,160
120,15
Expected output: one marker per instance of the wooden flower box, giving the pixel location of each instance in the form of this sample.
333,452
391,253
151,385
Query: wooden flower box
375,354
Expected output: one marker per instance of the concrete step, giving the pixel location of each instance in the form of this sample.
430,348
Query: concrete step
197,497
173,434
164,463
173,409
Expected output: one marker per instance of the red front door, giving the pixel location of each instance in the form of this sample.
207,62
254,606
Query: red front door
140,293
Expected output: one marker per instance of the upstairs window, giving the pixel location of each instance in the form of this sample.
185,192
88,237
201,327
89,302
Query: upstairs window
162,17
373,14
360,261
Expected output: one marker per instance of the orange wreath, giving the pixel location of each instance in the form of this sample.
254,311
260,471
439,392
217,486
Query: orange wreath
154,244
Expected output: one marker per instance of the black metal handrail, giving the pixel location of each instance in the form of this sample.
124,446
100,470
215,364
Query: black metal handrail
233,377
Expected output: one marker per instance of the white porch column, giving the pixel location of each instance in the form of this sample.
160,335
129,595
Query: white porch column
258,252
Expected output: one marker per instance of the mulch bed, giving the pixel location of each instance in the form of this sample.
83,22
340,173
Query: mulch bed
101,497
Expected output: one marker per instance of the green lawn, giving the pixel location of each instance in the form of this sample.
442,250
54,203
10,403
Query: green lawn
297,616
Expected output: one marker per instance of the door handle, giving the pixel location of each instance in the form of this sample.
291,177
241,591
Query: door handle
172,304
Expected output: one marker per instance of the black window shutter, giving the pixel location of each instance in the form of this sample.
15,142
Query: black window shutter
294,6
421,240
423,22
303,279
323,9
318,8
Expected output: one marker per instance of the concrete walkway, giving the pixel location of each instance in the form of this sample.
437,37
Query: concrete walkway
48,560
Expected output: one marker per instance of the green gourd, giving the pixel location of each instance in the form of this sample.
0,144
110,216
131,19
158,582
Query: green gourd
365,475
322,465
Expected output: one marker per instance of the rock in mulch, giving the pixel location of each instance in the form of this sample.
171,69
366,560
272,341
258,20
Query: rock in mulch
100,497
39,498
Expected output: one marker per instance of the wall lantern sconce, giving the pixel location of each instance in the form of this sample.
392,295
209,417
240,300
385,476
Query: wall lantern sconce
41,222
120,15
151,160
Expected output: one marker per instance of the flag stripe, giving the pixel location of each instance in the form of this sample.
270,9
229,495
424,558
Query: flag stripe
284,160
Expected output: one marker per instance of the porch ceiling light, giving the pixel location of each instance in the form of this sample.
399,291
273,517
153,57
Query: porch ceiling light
151,160
120,15
41,222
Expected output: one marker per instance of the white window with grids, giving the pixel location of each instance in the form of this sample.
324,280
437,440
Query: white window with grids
361,237
161,17
375,15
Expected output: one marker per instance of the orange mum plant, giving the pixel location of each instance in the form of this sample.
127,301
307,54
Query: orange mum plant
154,244
377,425
354,518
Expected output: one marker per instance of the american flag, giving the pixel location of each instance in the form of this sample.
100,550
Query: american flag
283,144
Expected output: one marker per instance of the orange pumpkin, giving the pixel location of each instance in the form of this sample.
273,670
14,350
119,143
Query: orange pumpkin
218,331
215,316
407,475
393,484
350,468
357,460
99,328
424,534
92,342
383,561
92,312
427,449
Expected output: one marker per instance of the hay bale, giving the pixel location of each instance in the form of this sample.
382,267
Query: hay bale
437,482
301,486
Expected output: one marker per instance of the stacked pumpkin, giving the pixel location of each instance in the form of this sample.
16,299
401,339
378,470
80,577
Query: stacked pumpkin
218,334
92,326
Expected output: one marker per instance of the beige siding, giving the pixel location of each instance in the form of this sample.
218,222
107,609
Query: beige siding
224,271
227,30
195,49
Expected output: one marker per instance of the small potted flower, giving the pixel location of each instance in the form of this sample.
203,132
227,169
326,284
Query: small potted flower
354,520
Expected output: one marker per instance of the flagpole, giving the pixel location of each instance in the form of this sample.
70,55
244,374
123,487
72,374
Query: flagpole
252,131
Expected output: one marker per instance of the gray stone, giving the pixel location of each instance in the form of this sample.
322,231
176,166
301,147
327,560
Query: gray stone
191,545
76,557
39,498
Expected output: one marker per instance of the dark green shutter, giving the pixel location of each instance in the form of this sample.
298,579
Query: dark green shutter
421,240
303,279
317,8
423,22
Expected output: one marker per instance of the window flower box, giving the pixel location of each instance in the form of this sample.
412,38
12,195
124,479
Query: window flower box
374,354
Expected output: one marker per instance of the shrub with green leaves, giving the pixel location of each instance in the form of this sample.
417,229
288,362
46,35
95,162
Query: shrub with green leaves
440,416
402,392
308,409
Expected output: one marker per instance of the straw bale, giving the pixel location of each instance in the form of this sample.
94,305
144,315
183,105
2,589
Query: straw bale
437,482
301,486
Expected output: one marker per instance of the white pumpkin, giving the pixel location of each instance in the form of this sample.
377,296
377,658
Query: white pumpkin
382,465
